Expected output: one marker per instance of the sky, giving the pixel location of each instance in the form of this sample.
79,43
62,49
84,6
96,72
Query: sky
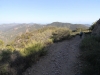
47,11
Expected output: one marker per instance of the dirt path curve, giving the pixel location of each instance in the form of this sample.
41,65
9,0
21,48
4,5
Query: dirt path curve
60,60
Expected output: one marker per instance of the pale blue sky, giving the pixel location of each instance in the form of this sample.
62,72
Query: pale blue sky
47,11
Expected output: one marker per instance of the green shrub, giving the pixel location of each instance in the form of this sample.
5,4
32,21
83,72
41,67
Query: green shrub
60,34
31,54
34,52
5,55
90,53
4,69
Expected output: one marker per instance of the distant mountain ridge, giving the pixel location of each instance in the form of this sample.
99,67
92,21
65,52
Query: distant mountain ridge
68,25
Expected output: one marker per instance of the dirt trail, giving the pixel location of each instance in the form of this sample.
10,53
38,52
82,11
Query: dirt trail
60,60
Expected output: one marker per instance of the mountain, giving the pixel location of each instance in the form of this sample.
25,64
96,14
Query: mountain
8,32
68,25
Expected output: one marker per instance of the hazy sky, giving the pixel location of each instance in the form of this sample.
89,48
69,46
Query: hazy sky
46,11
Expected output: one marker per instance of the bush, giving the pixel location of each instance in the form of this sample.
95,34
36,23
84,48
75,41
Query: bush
90,54
18,62
4,69
5,55
31,54
34,52
60,34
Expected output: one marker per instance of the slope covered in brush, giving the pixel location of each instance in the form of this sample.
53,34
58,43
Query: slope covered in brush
44,35
27,48
8,32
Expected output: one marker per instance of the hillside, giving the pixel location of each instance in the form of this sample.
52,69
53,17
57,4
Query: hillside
28,47
8,32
